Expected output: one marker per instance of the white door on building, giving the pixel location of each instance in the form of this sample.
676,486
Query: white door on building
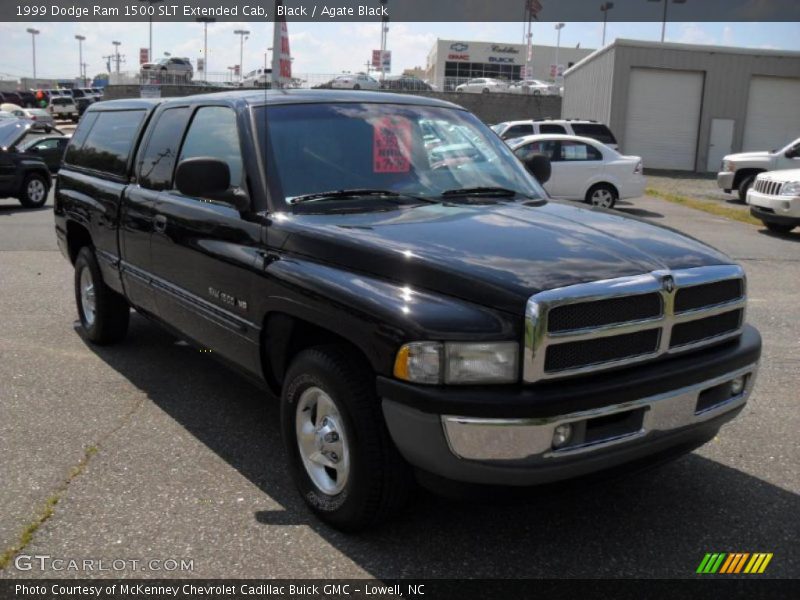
663,117
773,113
720,142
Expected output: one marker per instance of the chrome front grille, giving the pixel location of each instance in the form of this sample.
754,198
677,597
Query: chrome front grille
770,188
605,324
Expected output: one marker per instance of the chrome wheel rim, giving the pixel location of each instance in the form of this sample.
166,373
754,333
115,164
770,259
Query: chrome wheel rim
322,441
602,198
88,301
36,190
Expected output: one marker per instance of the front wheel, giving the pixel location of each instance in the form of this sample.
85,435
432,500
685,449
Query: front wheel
34,191
356,87
779,228
103,313
745,185
602,196
342,458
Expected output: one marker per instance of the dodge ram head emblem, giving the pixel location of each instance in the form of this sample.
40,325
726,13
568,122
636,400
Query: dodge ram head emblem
668,283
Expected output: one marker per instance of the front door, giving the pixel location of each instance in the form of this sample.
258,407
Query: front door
720,143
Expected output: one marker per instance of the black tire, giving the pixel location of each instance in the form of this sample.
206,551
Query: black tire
744,185
602,195
356,87
109,323
29,197
379,481
779,228
486,90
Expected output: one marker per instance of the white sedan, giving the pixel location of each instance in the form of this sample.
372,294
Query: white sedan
584,169
482,85
534,87
357,81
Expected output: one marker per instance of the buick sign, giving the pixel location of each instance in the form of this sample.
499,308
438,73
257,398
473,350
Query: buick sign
459,46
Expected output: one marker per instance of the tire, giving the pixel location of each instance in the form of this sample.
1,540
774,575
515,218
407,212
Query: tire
602,195
356,87
778,228
103,313
363,480
34,191
744,185
485,90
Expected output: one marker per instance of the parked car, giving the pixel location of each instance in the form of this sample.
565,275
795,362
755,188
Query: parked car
39,115
64,107
584,169
774,199
23,176
482,85
258,78
82,99
448,323
405,83
50,148
12,98
739,171
585,128
175,68
357,81
5,115
534,87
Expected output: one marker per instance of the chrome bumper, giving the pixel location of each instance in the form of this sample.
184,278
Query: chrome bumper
725,179
530,441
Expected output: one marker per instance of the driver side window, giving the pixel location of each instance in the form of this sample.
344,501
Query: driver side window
215,134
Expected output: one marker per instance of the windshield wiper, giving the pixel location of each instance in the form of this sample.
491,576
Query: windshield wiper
354,193
498,192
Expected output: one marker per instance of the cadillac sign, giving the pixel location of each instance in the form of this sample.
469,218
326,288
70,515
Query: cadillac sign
504,50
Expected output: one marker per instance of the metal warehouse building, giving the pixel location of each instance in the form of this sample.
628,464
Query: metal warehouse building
683,106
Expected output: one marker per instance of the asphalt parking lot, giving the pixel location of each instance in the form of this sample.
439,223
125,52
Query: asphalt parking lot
151,450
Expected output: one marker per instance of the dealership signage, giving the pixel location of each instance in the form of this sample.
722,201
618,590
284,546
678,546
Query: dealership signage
384,65
459,47
505,50
144,55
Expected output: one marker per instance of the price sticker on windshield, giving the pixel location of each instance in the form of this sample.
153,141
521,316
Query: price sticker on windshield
391,145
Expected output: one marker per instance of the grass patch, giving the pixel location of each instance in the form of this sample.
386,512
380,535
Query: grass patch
47,510
712,208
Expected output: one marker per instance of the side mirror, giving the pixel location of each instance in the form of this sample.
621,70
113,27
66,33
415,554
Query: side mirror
539,166
209,178
792,152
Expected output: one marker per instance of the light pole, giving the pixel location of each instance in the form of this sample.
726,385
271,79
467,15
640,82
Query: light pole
81,39
34,33
241,33
664,19
150,4
605,7
116,54
559,27
384,40
205,21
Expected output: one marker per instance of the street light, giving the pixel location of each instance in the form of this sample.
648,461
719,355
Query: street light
205,21
116,54
81,39
664,20
559,27
241,33
605,7
34,33
150,3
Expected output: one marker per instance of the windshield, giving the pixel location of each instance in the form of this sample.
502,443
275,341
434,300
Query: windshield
414,150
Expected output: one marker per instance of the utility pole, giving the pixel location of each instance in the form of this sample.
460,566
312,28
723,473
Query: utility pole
241,33
34,33
604,8
384,40
664,17
150,4
116,54
559,27
81,39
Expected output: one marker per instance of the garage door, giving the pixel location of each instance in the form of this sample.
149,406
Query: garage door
663,117
773,113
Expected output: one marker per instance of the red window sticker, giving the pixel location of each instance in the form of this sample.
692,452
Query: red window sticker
391,145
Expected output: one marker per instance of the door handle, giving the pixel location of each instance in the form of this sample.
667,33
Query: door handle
160,223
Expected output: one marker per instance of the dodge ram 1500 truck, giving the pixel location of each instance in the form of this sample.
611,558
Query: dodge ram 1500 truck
437,317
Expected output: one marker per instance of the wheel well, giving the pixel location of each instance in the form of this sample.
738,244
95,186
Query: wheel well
283,337
605,184
743,174
77,237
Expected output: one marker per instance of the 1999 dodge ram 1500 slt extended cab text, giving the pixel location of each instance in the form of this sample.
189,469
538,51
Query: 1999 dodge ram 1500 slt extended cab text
416,315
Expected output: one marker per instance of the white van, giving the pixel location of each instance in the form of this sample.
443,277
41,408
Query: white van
258,78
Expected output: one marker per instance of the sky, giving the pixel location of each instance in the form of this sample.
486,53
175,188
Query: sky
328,48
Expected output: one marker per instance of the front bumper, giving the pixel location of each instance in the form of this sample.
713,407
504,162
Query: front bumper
725,180
779,206
505,441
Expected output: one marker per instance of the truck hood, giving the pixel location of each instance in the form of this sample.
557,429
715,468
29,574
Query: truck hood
781,175
494,255
762,156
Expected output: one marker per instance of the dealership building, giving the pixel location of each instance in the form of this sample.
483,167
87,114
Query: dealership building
451,62
684,107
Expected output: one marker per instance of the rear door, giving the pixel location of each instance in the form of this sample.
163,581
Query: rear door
576,163
204,252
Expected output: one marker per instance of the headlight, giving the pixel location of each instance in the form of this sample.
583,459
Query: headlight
791,189
458,362
727,165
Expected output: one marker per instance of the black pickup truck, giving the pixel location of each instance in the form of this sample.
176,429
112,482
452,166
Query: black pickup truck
417,313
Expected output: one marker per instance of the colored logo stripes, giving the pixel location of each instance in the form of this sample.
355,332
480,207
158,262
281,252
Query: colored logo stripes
734,562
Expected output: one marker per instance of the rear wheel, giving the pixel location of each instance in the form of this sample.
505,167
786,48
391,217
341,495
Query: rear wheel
103,313
744,186
602,195
485,90
356,87
34,191
779,228
342,458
